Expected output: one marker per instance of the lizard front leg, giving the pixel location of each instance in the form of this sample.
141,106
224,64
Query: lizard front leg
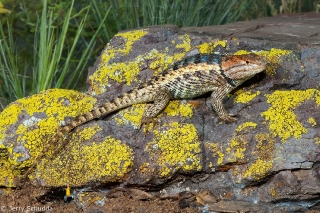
216,100
161,100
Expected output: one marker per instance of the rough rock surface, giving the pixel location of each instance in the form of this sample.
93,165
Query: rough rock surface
268,161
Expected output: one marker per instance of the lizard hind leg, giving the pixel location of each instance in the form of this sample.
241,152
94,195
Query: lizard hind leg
161,100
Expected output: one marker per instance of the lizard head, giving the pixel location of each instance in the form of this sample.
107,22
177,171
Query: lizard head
242,67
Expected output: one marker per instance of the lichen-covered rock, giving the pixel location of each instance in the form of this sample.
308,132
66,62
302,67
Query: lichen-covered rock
27,124
271,154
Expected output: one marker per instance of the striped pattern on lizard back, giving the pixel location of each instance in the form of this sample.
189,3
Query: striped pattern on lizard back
188,78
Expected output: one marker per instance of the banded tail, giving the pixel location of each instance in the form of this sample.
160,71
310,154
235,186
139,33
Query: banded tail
135,96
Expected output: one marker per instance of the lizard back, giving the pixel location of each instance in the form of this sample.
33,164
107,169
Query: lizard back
188,78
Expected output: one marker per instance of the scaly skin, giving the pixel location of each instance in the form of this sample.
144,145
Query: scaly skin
186,79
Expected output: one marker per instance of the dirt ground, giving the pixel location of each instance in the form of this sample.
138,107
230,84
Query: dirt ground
32,199
28,200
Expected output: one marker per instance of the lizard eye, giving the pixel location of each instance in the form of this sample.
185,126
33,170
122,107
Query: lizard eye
247,62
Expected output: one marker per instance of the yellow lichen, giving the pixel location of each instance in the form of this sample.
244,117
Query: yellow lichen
272,56
45,110
134,114
87,133
126,72
312,121
120,72
245,126
176,149
242,52
93,199
68,191
108,160
162,60
209,47
265,146
245,97
131,115
129,38
317,140
237,148
174,109
223,43
258,169
8,173
281,116
185,42
273,191
216,151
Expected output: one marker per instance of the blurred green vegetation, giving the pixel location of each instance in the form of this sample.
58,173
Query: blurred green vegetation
51,43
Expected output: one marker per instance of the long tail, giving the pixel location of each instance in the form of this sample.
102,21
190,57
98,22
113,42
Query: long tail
133,97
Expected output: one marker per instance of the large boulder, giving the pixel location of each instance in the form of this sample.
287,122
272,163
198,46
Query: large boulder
266,161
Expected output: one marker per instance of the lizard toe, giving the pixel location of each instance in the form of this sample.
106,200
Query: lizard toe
228,119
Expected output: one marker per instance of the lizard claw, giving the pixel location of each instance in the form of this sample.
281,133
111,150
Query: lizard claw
147,122
229,118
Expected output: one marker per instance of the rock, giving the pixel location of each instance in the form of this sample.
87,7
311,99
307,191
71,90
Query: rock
267,161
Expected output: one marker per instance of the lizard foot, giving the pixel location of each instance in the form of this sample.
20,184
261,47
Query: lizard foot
229,118
147,122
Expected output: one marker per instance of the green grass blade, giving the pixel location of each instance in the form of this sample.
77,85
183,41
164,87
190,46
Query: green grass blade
43,51
66,65
54,64
84,58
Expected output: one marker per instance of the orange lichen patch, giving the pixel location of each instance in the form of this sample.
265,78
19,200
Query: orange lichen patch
144,167
176,149
281,116
228,195
42,115
194,104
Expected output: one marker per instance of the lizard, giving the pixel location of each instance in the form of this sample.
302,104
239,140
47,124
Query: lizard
189,78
